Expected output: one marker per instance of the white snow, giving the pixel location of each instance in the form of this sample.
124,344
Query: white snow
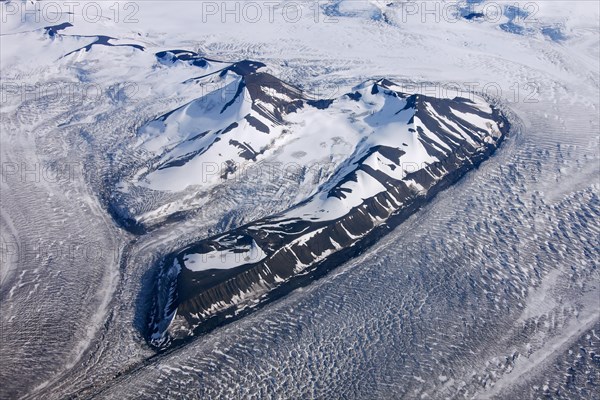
224,259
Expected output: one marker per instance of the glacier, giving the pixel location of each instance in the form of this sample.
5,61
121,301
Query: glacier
489,290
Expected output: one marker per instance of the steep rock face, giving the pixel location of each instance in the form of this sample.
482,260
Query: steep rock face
405,149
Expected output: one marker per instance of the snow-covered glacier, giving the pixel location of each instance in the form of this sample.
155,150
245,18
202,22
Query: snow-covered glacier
244,199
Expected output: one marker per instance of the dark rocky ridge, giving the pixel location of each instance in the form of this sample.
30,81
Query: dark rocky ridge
204,299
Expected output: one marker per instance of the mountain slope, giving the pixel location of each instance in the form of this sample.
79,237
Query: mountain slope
404,149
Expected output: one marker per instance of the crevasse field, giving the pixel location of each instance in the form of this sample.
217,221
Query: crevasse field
489,291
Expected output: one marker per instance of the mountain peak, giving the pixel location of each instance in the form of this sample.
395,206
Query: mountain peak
375,155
